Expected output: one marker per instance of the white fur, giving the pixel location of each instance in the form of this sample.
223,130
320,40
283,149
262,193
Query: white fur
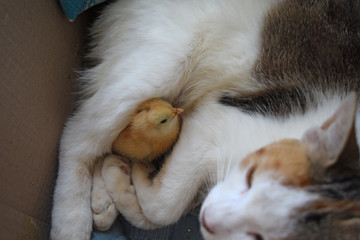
187,52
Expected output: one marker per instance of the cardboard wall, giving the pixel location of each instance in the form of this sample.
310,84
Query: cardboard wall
39,51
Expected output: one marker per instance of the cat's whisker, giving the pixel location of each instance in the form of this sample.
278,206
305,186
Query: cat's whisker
229,164
220,167
209,179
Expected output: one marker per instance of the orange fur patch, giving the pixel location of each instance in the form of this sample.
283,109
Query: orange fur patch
287,158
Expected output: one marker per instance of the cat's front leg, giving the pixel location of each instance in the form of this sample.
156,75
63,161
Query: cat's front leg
88,135
71,214
116,173
169,195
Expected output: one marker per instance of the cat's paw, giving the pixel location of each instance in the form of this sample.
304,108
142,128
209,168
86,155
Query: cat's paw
103,209
67,228
100,201
71,219
104,220
116,174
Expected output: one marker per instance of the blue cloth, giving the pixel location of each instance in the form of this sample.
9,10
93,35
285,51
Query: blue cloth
73,8
186,228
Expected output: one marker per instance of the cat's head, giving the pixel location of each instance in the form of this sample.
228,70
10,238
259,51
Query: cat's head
293,189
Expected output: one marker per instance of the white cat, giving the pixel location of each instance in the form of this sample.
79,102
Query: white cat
282,67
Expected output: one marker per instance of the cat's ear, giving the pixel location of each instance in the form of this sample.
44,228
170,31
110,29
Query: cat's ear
333,148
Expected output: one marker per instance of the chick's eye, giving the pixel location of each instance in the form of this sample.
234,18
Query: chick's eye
163,121
249,176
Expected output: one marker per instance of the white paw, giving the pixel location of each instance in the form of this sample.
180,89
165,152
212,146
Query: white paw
72,223
100,202
103,209
104,220
115,172
117,180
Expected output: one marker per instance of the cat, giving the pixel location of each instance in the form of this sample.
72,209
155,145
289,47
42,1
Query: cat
304,188
248,73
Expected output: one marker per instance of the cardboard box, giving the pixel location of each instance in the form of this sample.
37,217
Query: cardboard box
39,51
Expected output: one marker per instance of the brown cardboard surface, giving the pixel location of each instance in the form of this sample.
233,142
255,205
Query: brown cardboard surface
22,227
39,51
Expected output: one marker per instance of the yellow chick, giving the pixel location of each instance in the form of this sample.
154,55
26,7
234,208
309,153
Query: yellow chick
153,129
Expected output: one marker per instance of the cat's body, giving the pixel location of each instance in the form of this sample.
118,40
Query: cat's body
284,65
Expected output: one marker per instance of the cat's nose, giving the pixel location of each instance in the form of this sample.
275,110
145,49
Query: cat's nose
210,221
205,224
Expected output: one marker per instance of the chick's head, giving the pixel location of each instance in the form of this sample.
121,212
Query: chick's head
157,117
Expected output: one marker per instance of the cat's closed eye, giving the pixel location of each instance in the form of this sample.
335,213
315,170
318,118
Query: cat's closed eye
249,176
255,235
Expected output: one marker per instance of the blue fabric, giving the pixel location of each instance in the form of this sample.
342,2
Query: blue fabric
116,232
73,8
186,228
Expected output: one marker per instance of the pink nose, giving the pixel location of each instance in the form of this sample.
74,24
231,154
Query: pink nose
204,224
209,221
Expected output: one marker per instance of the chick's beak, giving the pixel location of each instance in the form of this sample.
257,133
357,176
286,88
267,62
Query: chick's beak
176,111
